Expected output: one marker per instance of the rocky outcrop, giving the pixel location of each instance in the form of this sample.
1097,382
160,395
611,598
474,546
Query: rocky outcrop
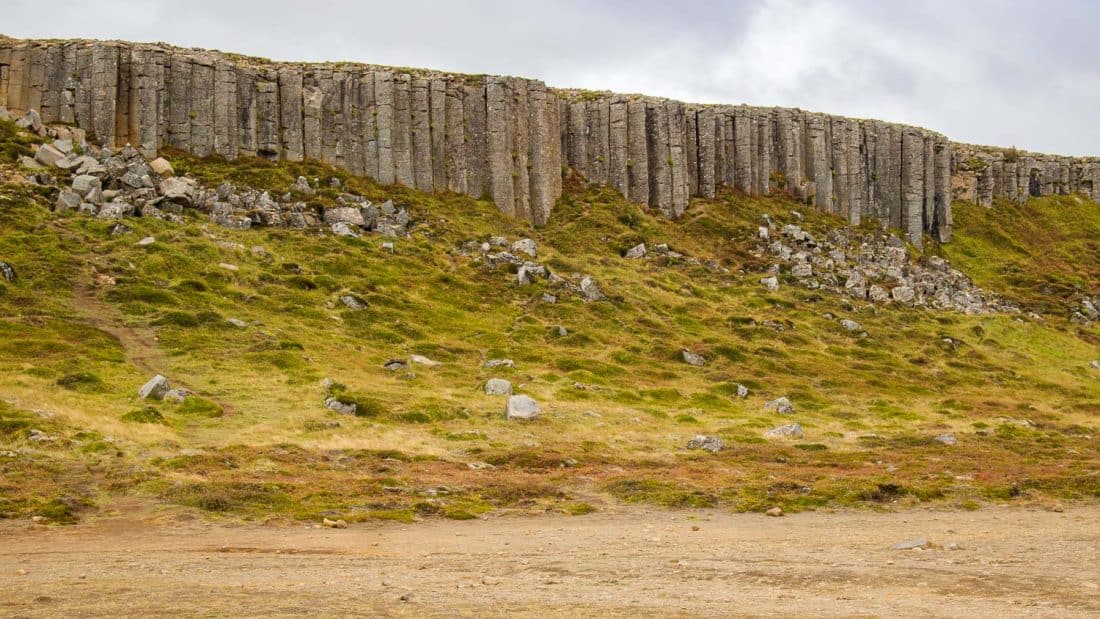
982,173
509,139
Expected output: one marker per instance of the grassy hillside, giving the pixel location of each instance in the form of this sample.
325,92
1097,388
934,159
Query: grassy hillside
92,316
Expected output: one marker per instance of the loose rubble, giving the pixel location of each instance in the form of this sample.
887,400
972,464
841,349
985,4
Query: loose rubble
112,184
873,266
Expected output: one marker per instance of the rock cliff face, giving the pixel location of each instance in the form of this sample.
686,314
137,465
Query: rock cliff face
509,139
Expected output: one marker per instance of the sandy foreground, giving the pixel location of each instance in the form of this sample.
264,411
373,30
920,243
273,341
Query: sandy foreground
996,562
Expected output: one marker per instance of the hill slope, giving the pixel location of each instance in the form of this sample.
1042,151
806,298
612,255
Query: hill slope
91,315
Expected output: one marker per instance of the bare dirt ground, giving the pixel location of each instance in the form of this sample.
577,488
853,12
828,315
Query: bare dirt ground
630,562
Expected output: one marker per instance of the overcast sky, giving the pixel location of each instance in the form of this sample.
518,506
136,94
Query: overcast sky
1000,72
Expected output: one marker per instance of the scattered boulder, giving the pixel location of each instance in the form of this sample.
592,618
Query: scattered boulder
31,120
591,290
771,282
83,183
498,386
149,240
48,155
177,395
903,294
498,363
422,360
780,405
344,408
742,391
850,325
178,190
947,439
775,512
713,444
525,246
352,302
637,252
156,388
910,544
791,430
161,166
301,185
395,364
7,271
228,267
333,524
68,200
118,229
1095,364
521,407
345,214
692,358
341,228
237,322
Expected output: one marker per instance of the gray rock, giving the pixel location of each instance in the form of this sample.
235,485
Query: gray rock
161,166
65,146
780,405
802,269
344,214
84,183
591,290
525,246
7,272
498,241
68,200
387,246
521,407
178,190
341,228
1095,364
791,430
30,163
344,408
713,444
560,331
48,155
691,358
947,439
395,364
177,395
903,294
425,361
771,283
115,210
237,322
31,120
637,252
352,303
498,363
118,229
763,233
149,240
156,388
498,386
549,298
530,273
910,544
302,186
878,294
742,391
850,325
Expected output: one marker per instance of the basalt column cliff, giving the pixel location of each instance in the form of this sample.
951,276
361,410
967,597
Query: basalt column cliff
509,139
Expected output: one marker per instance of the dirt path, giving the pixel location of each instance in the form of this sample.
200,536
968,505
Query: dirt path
139,345
1009,562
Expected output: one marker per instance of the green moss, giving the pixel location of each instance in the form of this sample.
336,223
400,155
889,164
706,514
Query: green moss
147,414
